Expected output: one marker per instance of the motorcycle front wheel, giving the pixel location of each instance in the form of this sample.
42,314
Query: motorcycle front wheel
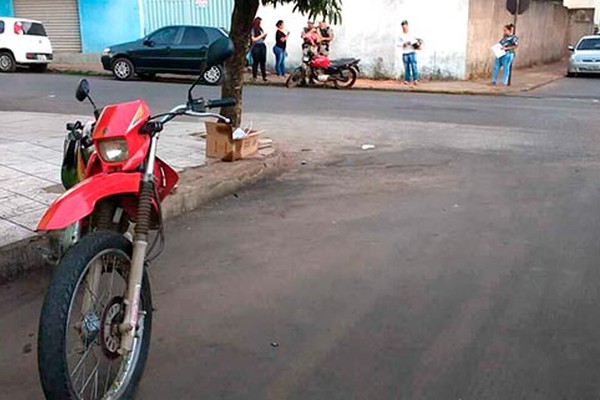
296,79
347,79
79,339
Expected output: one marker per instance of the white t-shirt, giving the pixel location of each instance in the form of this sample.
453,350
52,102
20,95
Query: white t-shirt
406,41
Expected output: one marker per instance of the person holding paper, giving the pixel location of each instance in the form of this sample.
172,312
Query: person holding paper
505,54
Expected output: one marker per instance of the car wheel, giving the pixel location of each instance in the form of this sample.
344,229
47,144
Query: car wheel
38,67
146,76
123,69
7,62
213,76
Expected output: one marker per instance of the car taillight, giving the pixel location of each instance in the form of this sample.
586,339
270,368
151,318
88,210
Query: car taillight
113,150
18,28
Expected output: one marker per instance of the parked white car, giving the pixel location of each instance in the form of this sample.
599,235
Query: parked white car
23,42
585,57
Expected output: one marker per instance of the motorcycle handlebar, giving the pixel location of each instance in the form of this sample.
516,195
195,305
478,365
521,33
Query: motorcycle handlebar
222,103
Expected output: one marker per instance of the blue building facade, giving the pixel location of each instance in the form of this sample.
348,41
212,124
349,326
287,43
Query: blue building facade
106,22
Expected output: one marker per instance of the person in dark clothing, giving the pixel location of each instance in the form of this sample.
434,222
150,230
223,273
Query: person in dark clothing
326,35
280,48
259,49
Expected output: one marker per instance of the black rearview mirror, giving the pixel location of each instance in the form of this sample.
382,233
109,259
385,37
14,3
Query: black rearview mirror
571,48
218,52
148,42
83,90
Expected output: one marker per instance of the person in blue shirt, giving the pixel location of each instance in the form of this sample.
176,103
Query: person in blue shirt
509,43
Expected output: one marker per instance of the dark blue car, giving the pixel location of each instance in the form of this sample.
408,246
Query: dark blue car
171,50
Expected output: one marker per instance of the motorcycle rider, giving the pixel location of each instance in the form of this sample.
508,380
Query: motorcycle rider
311,39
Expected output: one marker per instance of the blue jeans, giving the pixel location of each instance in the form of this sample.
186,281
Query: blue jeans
410,67
505,62
279,61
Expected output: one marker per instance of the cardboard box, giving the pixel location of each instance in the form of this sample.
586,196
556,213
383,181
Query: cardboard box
220,143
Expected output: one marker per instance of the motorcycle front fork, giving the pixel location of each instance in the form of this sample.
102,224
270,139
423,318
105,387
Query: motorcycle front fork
129,327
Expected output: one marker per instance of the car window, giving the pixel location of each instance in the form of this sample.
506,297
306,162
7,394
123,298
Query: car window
194,37
165,36
589,44
215,34
1,27
32,28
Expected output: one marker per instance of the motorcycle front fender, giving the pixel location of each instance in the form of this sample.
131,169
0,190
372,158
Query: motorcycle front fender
79,202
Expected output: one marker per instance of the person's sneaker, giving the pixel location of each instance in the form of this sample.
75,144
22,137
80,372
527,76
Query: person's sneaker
407,83
416,83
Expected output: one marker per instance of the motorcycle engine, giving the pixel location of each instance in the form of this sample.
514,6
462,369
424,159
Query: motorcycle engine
321,75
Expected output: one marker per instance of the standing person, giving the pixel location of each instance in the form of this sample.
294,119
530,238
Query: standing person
259,50
409,57
310,39
326,35
280,48
509,43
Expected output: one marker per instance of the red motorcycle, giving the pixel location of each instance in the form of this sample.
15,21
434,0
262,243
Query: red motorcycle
96,320
320,69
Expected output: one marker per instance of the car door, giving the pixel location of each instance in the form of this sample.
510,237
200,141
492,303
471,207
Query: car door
191,52
156,50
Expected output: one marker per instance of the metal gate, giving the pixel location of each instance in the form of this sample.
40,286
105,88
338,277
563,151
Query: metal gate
159,13
60,17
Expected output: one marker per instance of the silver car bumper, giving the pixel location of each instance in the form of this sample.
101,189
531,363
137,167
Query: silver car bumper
584,67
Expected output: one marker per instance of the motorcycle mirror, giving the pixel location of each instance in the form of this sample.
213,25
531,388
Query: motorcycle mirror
218,52
83,90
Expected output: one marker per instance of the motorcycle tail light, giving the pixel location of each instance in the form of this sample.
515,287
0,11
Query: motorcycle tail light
113,150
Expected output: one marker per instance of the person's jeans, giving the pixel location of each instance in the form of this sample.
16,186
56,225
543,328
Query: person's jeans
259,58
503,62
410,67
279,60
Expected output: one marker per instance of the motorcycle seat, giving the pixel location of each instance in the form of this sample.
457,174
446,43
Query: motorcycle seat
342,62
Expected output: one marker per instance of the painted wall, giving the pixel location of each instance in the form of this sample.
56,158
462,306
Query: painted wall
595,4
370,33
542,30
159,13
108,22
581,23
6,8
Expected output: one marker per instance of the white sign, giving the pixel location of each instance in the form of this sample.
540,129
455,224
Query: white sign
202,3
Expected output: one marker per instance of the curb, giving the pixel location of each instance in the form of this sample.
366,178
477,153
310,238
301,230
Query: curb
197,187
361,88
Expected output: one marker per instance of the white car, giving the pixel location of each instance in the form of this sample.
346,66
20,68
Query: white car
23,42
585,57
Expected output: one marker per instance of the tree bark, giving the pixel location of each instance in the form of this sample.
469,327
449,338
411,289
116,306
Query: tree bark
244,13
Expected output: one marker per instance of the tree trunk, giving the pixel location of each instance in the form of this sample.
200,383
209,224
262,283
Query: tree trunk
244,13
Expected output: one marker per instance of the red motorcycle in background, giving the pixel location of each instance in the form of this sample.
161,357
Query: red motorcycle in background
318,69
96,320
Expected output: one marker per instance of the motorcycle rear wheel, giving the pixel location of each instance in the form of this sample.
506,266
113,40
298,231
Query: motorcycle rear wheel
349,79
78,341
296,79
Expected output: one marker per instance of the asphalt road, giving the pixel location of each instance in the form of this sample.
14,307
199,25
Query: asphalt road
457,260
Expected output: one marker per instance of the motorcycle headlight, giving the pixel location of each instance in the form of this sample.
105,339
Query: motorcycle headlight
306,59
114,150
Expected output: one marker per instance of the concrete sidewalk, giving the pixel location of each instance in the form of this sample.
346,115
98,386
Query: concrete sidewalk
524,80
31,147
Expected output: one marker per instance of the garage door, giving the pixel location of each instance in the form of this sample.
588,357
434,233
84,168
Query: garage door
60,17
